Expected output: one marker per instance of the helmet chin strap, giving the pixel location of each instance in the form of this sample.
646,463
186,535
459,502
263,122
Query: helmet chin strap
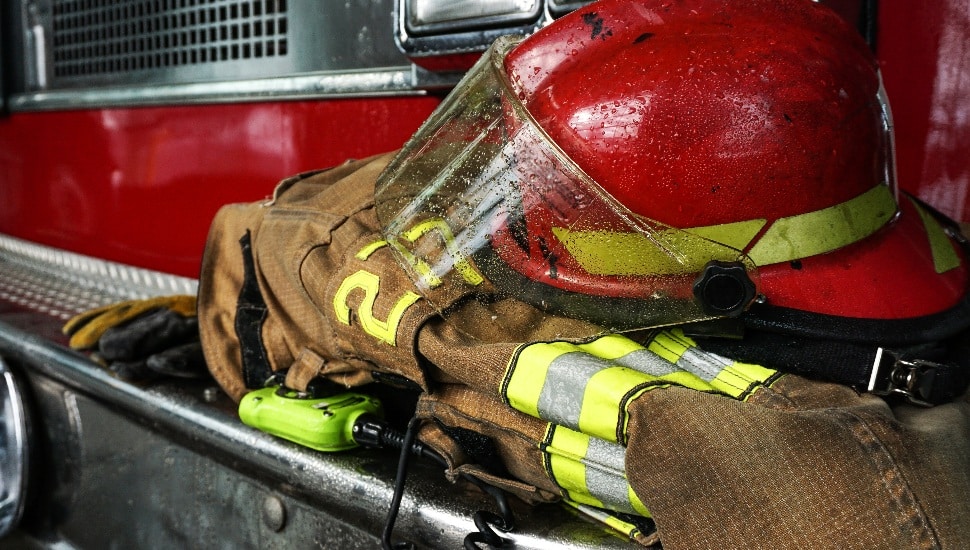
924,375
924,360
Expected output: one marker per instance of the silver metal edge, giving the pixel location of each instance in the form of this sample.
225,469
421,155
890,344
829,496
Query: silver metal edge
510,20
391,81
459,42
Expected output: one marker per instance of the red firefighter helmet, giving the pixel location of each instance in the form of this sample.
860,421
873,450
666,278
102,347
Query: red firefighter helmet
642,163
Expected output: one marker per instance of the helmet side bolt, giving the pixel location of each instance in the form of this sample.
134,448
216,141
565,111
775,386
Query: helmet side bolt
724,289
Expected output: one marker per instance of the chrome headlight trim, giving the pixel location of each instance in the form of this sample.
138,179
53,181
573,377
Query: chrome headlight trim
14,451
439,16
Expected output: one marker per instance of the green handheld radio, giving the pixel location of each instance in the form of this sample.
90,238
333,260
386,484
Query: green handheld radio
324,423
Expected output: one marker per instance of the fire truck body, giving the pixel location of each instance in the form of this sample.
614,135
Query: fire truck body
127,124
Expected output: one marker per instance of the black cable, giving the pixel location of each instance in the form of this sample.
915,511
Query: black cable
370,431
402,467
484,520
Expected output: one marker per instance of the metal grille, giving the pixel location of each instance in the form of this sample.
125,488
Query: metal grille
96,37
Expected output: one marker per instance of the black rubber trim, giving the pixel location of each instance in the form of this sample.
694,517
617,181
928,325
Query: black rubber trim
250,316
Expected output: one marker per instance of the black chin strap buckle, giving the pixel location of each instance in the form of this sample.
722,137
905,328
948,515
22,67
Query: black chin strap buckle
913,379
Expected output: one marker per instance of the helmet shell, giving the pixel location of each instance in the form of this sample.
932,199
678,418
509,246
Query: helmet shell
699,113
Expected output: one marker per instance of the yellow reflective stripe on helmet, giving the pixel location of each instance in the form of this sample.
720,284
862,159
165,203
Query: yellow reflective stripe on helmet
945,257
736,234
825,230
590,471
665,252
679,251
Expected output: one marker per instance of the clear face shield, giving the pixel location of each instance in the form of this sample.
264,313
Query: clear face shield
482,205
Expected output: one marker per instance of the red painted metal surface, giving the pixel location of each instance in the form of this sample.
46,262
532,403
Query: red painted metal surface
140,185
924,51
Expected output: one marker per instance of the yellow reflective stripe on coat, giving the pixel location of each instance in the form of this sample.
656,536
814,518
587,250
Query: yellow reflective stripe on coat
590,471
724,375
586,387
554,381
627,528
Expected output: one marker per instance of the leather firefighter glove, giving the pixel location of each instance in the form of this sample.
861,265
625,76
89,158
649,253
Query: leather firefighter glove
139,339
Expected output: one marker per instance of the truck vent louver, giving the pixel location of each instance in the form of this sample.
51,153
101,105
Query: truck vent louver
97,37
